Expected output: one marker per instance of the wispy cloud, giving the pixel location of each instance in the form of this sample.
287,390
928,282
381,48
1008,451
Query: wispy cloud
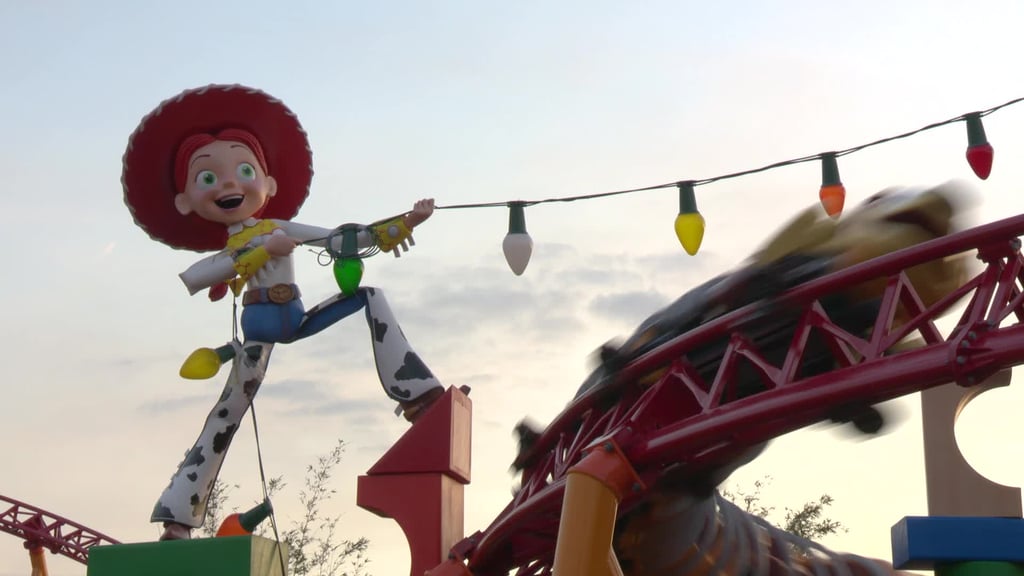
362,411
305,397
628,307
170,405
295,390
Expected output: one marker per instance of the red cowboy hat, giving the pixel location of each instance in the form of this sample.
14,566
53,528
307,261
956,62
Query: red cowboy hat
148,173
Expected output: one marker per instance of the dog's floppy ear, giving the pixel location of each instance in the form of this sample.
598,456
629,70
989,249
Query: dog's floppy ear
805,232
930,210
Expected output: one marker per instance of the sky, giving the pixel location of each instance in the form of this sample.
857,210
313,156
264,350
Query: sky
463,102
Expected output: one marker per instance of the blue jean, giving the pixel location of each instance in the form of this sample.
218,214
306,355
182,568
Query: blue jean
288,322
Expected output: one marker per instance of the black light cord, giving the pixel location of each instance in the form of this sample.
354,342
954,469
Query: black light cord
765,168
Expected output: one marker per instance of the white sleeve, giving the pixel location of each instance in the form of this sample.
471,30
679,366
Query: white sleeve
317,236
219,267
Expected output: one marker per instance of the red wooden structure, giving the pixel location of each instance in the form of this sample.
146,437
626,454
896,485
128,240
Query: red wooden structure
685,424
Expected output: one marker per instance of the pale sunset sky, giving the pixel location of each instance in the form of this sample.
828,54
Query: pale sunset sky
463,102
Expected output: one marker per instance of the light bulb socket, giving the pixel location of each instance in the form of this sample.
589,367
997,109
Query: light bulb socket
975,130
829,170
516,217
252,518
687,199
349,242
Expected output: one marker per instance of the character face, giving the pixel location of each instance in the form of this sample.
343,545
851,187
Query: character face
225,184
893,220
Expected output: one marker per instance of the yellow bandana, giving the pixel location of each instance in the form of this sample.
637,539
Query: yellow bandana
248,261
238,240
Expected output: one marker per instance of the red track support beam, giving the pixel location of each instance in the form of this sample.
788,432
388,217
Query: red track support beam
37,557
44,530
593,491
881,380
659,408
419,482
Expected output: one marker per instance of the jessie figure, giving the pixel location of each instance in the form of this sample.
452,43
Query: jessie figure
224,168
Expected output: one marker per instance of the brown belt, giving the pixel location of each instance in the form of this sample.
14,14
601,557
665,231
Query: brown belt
276,294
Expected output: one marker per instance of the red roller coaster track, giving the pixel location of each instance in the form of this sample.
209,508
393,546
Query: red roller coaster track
685,423
42,529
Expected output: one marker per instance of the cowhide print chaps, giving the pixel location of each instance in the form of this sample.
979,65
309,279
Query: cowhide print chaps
402,373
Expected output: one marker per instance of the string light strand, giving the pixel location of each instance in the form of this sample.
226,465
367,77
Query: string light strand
772,166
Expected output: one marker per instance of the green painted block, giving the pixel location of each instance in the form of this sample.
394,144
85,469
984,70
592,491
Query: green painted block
228,556
980,568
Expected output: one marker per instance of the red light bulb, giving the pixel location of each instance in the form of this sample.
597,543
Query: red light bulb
979,151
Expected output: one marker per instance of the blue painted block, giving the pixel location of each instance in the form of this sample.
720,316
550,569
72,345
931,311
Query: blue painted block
923,542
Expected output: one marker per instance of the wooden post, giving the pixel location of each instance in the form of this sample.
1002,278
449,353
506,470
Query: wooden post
954,487
593,490
419,482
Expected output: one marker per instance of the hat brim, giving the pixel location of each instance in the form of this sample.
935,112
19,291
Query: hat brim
148,165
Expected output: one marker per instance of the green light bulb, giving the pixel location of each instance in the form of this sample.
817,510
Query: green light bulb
348,272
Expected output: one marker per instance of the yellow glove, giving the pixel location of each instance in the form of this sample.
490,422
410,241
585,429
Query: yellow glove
247,265
390,234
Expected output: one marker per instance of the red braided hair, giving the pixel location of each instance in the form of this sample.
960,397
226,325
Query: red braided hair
194,142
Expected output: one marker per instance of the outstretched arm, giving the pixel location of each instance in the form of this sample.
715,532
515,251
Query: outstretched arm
317,236
421,210
395,235
213,269
388,235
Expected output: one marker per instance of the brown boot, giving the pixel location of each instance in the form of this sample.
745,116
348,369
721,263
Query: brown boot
413,409
175,531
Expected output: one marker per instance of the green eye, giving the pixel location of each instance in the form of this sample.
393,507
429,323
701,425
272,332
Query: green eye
246,171
206,178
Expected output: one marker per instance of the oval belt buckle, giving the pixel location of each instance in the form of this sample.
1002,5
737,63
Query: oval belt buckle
280,293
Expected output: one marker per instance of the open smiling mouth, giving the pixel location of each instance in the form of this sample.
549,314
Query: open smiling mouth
229,202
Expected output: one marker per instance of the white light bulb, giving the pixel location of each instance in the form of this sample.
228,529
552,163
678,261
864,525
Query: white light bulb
517,247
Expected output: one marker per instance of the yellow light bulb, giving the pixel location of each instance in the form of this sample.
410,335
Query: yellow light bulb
690,231
201,364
